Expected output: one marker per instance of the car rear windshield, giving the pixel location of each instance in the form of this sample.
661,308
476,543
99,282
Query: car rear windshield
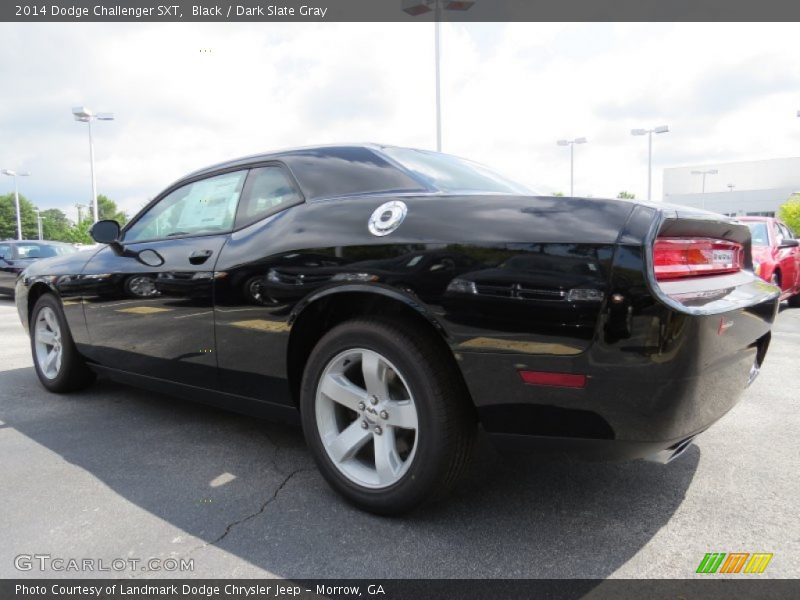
42,250
758,232
451,174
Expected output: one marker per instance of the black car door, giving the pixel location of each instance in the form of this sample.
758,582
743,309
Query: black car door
148,301
8,274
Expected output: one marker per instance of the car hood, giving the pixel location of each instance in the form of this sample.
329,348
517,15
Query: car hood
66,264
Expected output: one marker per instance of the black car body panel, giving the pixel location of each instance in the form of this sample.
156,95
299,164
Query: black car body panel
509,282
17,255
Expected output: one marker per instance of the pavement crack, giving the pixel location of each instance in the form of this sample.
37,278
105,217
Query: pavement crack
267,502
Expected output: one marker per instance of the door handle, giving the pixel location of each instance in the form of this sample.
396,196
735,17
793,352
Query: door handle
198,257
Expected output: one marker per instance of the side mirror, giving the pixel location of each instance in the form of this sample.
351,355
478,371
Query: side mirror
105,232
789,244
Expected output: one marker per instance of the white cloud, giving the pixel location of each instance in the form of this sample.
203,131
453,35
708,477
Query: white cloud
728,92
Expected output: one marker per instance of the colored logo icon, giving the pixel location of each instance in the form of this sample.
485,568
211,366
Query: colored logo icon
734,562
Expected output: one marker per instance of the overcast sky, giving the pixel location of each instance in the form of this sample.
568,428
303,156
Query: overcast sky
727,91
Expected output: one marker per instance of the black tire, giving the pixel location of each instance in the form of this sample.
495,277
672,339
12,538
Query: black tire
794,301
73,374
446,418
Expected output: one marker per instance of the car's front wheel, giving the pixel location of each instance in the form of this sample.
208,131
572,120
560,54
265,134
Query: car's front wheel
385,414
59,366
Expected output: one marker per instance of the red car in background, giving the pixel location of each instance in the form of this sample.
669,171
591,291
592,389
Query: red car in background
776,255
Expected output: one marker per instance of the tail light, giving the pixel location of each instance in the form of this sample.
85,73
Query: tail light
675,258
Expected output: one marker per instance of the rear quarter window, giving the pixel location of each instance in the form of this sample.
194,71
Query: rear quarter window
330,172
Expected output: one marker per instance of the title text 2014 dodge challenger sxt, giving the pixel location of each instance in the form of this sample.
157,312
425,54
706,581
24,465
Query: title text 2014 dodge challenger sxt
391,299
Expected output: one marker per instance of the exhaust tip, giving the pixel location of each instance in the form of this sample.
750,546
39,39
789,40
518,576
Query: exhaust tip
669,454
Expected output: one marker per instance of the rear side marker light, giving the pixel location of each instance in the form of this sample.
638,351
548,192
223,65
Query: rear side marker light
675,258
554,379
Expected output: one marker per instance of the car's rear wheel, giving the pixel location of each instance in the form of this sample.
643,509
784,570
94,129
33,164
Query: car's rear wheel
59,366
385,415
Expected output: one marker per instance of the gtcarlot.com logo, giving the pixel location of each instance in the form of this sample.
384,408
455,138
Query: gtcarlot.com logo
47,562
734,562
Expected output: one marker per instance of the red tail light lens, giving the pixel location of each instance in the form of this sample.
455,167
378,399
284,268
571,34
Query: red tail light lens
674,258
554,379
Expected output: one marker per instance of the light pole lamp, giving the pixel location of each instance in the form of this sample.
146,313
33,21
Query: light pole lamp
420,7
649,133
85,115
571,144
15,174
703,175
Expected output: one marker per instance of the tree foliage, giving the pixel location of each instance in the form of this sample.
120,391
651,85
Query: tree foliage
55,224
623,195
107,209
8,218
789,212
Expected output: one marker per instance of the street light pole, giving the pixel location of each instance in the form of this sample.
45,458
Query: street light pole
572,170
571,144
15,174
703,174
703,186
649,133
420,7
437,34
39,222
85,115
91,168
649,165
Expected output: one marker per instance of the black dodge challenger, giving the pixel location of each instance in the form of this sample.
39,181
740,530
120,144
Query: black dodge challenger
391,300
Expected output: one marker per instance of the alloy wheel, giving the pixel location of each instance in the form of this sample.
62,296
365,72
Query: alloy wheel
366,418
47,336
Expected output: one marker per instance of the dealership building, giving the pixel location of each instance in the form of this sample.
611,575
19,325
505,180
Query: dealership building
736,189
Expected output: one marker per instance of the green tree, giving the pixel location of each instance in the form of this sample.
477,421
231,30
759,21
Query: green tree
79,233
107,209
789,212
55,225
623,195
558,194
8,218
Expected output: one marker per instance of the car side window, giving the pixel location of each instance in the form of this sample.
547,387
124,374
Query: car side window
268,190
779,237
5,251
202,207
787,233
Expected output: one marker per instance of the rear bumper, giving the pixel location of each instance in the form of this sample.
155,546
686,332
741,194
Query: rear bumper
655,383
590,449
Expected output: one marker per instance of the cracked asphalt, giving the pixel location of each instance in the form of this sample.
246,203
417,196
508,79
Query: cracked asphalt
119,473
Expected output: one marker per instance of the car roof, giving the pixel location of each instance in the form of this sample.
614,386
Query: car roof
277,154
43,242
762,219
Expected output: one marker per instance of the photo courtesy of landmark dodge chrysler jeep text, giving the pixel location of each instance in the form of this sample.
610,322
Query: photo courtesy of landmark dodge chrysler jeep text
392,300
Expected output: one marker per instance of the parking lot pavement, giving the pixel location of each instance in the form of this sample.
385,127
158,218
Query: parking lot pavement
118,473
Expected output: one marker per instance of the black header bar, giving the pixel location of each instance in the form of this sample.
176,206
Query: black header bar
284,11
710,588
